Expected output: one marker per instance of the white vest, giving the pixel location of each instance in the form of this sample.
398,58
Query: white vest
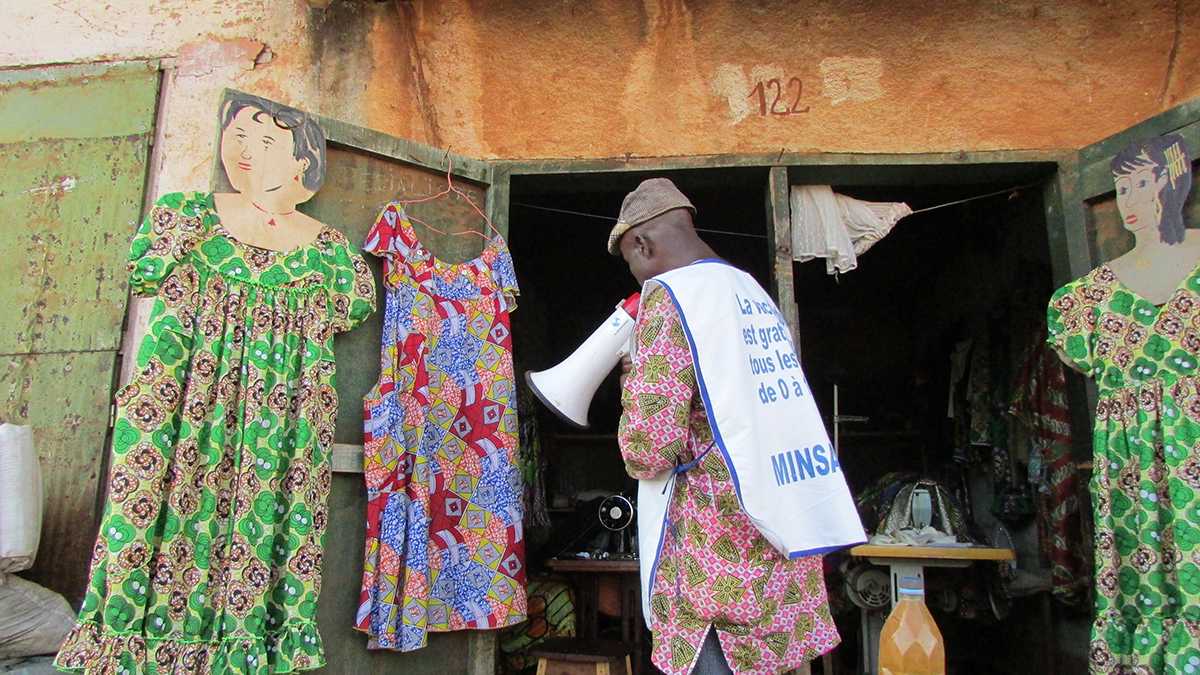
763,418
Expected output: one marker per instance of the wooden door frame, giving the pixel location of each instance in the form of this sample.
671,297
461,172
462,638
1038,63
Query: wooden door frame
780,169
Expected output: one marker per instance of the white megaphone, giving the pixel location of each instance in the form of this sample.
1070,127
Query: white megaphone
567,388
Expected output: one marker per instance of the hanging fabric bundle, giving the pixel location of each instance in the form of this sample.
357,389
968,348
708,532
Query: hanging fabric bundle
836,227
1039,402
531,460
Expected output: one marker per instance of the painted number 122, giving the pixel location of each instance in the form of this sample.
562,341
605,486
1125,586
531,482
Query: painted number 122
778,95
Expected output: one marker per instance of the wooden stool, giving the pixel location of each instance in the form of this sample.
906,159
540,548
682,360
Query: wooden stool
581,657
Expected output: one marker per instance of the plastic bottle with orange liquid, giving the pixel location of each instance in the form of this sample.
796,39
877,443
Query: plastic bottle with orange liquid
910,643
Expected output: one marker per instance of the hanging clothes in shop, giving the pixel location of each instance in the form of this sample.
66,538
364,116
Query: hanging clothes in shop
958,371
445,549
1146,477
979,396
209,553
532,462
1039,402
836,227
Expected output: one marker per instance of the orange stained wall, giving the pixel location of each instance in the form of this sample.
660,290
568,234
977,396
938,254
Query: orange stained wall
672,77
609,78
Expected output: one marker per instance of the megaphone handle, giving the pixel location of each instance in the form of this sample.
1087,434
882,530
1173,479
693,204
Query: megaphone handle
626,348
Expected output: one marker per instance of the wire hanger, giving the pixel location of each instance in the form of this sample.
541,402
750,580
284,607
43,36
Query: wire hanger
452,188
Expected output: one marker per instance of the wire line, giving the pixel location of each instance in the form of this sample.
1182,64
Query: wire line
926,209
611,219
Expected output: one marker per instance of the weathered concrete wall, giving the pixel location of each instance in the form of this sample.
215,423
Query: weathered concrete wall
600,78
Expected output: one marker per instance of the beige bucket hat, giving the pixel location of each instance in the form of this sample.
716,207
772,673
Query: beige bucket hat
652,198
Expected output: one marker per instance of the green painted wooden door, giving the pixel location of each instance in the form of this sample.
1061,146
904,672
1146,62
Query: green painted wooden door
74,145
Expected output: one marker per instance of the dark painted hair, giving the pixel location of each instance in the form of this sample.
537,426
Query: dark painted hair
1170,157
308,141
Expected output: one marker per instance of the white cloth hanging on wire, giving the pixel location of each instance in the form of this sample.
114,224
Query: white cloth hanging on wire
836,227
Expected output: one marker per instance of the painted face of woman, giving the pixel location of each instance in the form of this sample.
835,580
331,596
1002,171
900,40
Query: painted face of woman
1139,197
258,156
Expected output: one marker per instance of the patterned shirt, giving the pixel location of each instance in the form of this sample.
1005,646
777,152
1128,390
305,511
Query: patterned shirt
715,568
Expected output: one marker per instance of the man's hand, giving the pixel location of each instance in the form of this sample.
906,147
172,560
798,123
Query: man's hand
626,368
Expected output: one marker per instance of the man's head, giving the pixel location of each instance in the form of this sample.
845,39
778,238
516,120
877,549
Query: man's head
654,231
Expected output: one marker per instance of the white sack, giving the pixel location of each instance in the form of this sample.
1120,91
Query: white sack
20,498
33,620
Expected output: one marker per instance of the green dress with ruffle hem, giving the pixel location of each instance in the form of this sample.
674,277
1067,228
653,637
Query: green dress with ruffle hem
209,553
1145,482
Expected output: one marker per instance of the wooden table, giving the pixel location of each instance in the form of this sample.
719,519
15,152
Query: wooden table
587,574
968,553
911,561
608,566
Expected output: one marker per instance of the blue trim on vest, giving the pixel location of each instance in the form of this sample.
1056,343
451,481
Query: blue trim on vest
822,550
661,535
737,487
708,407
681,468
688,466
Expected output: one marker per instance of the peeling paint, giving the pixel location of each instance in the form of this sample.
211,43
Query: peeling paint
730,82
848,79
206,57
57,186
264,57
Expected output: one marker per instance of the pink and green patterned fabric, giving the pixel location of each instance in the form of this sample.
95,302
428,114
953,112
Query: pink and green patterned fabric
715,571
445,549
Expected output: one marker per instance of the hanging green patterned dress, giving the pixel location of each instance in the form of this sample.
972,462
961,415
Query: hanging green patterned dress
1146,478
209,552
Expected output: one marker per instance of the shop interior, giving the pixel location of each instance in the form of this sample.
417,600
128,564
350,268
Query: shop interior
570,291
567,290
881,336
971,278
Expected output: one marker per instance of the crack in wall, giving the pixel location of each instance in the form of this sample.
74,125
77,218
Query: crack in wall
205,58
421,84
1172,55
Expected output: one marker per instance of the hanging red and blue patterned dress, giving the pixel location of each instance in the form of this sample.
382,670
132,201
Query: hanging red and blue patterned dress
445,549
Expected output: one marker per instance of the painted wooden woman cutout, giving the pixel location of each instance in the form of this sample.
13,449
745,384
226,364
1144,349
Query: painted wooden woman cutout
1153,178
1130,326
274,157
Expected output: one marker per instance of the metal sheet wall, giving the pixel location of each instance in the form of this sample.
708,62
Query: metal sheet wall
71,190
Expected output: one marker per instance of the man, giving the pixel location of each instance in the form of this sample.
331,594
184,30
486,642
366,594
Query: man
721,597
